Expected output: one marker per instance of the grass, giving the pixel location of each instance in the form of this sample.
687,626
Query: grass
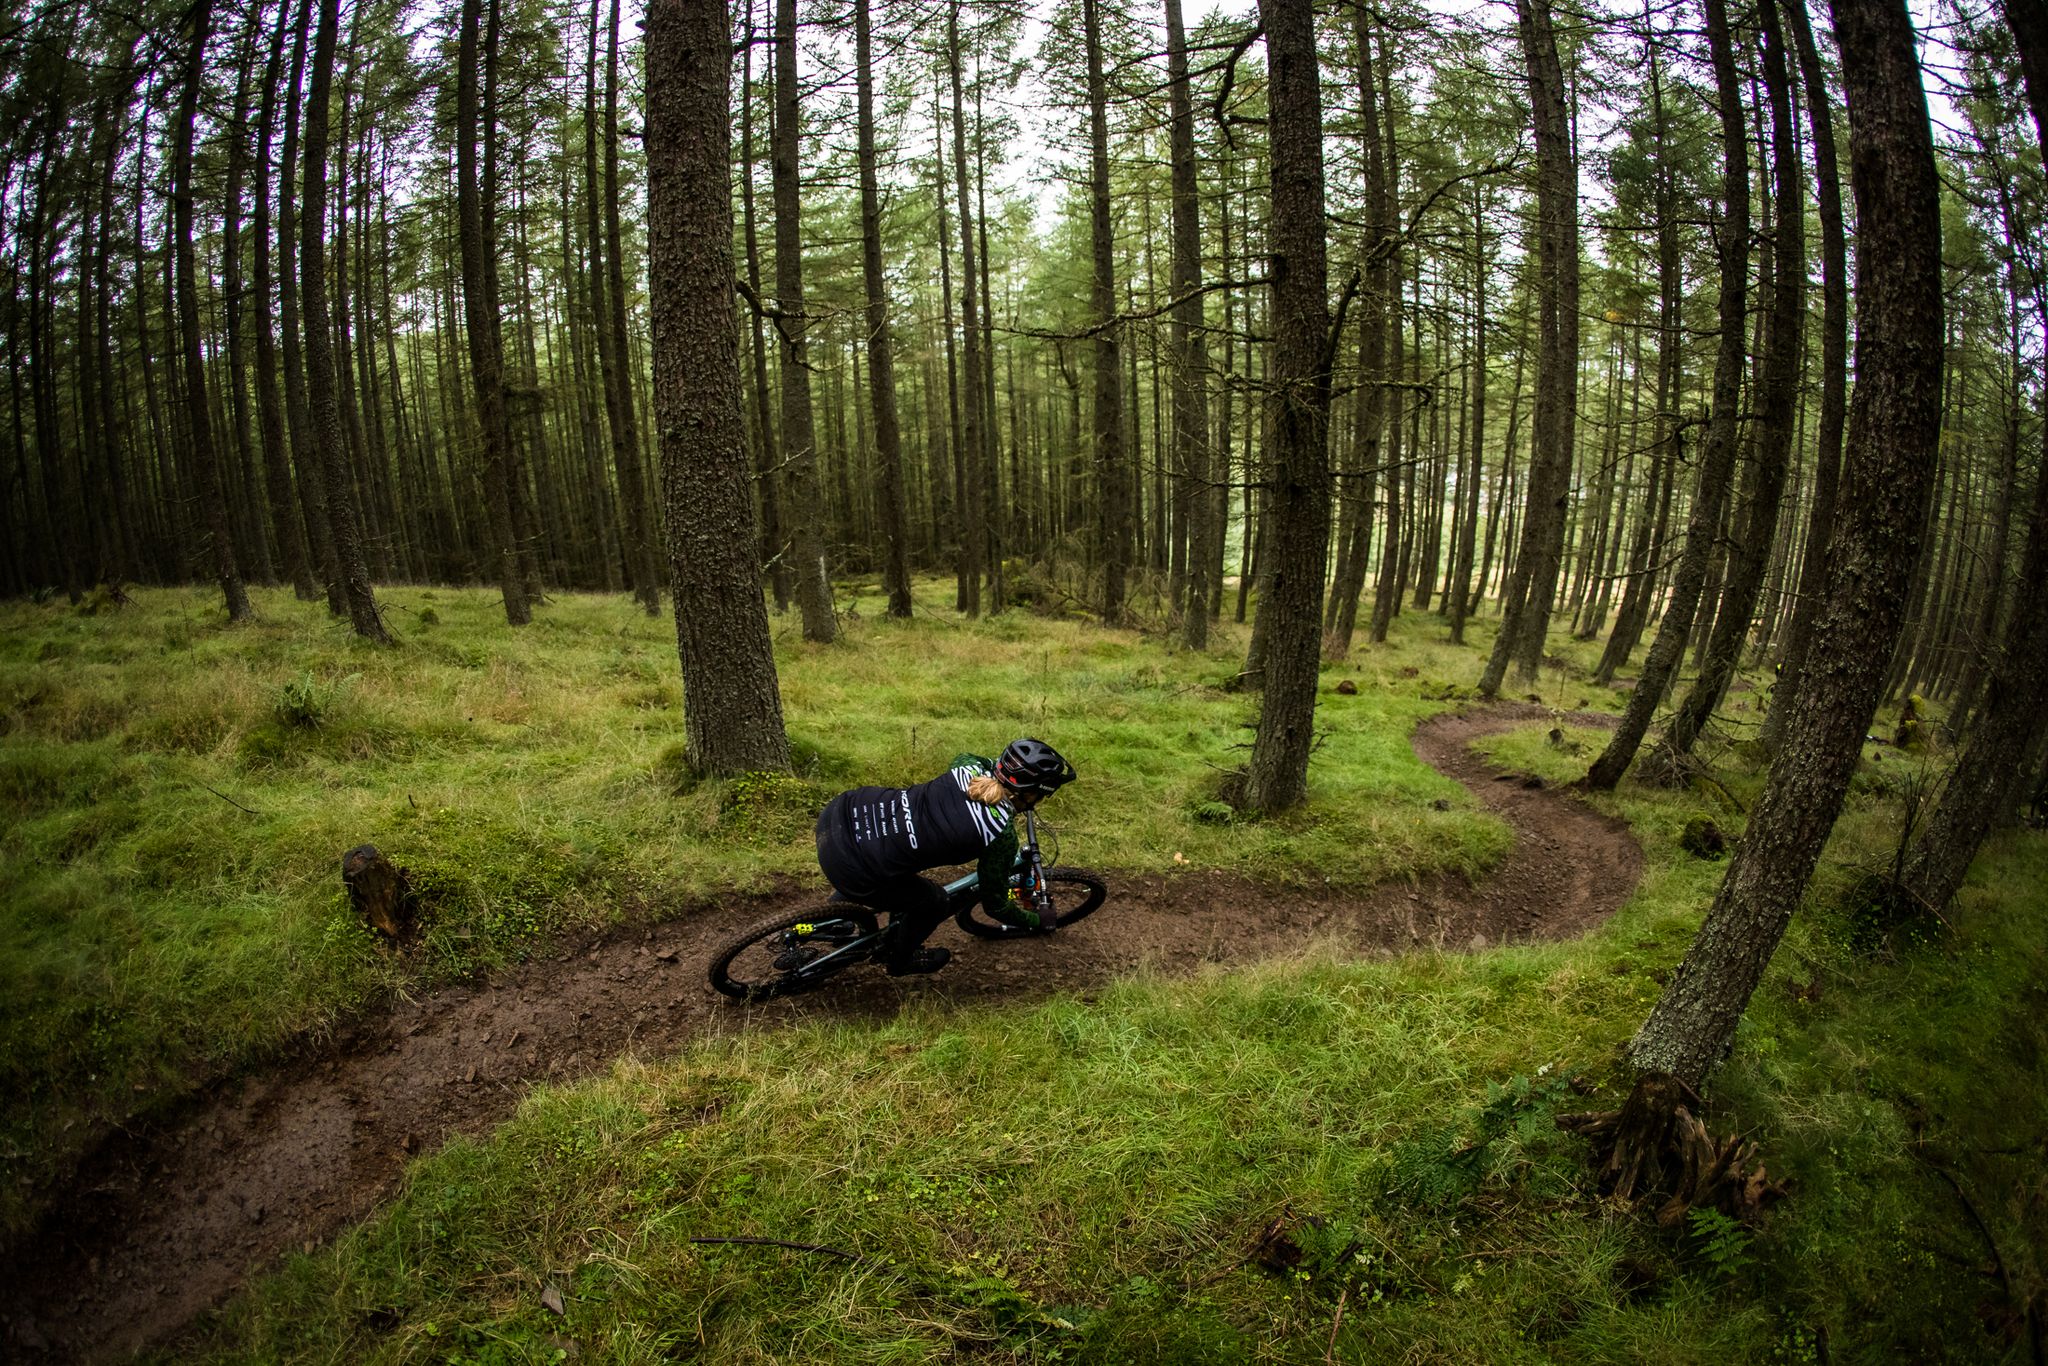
176,795
1070,1180
1082,1181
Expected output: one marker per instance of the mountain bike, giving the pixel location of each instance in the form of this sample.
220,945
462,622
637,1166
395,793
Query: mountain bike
799,952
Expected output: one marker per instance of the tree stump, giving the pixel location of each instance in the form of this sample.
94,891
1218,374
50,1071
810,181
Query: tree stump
380,892
1653,1146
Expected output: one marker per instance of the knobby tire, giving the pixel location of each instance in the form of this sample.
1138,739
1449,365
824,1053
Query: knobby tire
760,983
1066,882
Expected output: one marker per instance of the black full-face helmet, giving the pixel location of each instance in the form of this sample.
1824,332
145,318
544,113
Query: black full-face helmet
1033,766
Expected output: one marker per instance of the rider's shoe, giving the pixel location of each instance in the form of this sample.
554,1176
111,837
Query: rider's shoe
920,961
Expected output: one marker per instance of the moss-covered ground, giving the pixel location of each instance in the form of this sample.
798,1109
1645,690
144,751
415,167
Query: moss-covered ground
1065,1180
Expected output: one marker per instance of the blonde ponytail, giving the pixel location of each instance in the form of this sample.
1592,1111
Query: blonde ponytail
986,790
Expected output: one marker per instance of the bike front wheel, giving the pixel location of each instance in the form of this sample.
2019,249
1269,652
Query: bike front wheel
794,953
1075,893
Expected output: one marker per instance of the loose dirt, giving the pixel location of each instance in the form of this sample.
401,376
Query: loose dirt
164,1223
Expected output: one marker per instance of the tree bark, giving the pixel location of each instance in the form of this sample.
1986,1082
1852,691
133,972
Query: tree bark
1462,595
799,442
270,408
768,462
640,531
1893,424
1717,456
1777,399
1377,253
1834,341
305,443
732,710
1525,618
2009,720
1298,409
973,392
880,337
252,541
330,452
486,360
1189,345
1113,478
205,463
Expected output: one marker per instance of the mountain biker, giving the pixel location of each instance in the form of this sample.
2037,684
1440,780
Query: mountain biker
874,842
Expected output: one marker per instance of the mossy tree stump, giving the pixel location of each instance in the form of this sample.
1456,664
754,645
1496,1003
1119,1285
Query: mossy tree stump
381,893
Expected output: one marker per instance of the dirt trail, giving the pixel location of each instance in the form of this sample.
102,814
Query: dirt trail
165,1223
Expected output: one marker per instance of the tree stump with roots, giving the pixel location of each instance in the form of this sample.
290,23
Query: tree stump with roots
1654,1146
381,893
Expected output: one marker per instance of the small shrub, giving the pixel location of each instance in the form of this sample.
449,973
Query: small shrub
813,760
767,808
1703,839
672,768
1722,1241
1885,917
1912,733
1447,1164
307,702
1215,813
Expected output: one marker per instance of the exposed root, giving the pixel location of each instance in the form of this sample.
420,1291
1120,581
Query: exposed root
1654,1147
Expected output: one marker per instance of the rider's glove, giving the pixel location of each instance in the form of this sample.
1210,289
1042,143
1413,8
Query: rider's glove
1023,916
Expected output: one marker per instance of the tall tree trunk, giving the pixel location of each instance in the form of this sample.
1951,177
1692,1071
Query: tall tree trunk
634,564
1298,473
799,441
640,532
732,711
1525,619
1641,586
966,576
305,442
1113,476
880,338
1834,341
1777,399
991,482
486,360
1189,346
2004,738
205,464
1717,459
973,420
768,461
1386,595
1893,423
1462,594
1377,251
251,536
330,453
270,408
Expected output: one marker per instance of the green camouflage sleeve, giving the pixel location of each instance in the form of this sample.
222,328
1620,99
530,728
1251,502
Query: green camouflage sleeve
997,863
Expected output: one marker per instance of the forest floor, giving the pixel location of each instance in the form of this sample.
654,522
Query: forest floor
1354,1023
166,1220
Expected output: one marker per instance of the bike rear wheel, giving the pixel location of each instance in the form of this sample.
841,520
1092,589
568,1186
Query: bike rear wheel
792,953
1075,893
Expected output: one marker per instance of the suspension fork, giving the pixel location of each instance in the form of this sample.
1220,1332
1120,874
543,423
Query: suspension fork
1036,894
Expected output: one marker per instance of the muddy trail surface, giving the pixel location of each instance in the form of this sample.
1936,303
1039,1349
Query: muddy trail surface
164,1223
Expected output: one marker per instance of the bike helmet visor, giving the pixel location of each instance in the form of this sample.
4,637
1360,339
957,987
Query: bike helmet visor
1033,766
